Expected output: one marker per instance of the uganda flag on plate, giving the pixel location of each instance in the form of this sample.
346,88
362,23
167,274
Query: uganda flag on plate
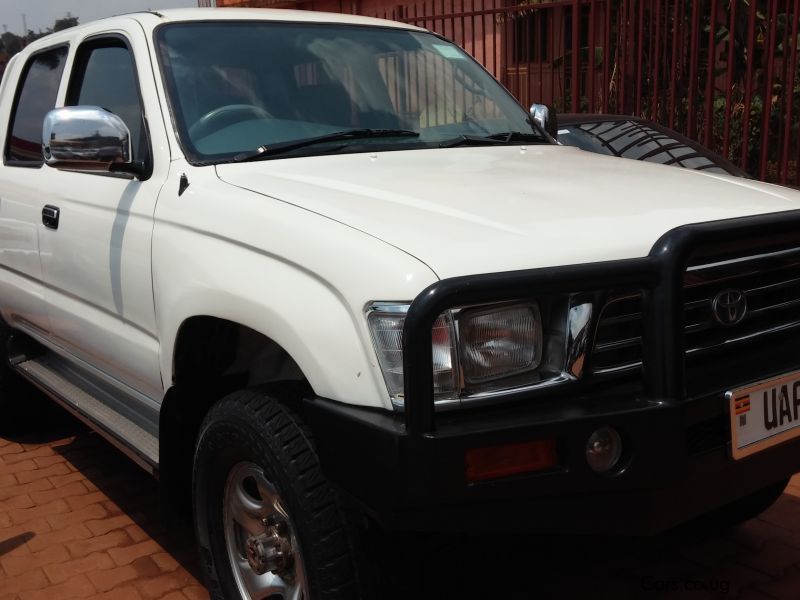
742,405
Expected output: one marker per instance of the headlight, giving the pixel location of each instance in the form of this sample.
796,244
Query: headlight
499,343
477,351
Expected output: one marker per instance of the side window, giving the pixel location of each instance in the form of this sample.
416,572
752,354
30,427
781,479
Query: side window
36,95
105,75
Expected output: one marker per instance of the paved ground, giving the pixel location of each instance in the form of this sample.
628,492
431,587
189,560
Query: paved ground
78,520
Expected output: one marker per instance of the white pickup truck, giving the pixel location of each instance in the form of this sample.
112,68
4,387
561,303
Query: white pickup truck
323,270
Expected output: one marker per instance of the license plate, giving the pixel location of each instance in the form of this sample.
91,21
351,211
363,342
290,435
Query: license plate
764,414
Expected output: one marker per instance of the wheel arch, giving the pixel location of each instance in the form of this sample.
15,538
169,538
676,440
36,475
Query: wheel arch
213,357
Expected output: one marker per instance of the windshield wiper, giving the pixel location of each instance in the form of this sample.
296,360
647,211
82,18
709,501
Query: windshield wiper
350,134
470,140
506,137
518,136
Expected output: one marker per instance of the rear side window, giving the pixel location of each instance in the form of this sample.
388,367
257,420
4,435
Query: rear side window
36,95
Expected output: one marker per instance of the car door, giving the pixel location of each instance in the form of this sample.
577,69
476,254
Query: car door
23,185
96,257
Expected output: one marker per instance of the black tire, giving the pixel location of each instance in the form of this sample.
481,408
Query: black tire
252,427
743,509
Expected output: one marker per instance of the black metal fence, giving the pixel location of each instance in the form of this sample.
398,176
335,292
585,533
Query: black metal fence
723,72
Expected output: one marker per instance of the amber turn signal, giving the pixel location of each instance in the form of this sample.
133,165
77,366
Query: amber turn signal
510,459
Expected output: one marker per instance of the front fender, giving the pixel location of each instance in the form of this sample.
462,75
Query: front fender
292,275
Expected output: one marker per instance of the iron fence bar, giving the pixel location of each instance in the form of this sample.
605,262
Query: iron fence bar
591,56
708,119
545,53
729,81
622,49
606,57
791,67
673,64
748,94
766,101
639,45
575,85
554,45
694,51
795,64
654,103
784,101
530,55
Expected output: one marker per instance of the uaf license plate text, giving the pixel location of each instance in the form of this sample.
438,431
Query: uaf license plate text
764,414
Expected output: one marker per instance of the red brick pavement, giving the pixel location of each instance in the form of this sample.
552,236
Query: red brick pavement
79,520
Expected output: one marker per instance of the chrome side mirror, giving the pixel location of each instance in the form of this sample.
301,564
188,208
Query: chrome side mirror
545,117
87,138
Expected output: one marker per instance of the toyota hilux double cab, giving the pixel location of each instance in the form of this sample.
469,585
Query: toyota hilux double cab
323,270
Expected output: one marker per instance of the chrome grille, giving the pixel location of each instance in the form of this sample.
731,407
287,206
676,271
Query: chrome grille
771,285
769,282
618,340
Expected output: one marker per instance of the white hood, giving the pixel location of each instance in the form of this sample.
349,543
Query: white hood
488,209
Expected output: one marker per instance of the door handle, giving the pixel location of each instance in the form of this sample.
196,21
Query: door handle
50,216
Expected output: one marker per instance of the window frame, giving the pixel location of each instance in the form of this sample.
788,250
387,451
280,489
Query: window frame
77,72
30,164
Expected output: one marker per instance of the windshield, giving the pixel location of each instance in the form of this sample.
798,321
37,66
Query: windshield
238,86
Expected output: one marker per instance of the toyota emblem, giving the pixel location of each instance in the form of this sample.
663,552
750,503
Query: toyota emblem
729,307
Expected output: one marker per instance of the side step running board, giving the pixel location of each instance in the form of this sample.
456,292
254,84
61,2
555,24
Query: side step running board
86,405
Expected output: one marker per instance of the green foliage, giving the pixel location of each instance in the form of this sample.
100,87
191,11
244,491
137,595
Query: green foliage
747,61
65,23
11,43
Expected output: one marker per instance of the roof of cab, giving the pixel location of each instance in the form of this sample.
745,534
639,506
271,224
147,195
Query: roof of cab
271,14
151,19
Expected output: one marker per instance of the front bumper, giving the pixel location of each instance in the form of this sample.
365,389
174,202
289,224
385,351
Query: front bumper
408,471
675,470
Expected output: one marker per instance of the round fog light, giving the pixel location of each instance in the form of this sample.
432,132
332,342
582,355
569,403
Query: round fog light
603,449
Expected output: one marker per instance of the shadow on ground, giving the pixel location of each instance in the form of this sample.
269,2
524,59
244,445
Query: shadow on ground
131,489
684,563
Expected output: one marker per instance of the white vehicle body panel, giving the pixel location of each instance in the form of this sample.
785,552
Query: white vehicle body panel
21,285
299,278
488,209
97,264
296,248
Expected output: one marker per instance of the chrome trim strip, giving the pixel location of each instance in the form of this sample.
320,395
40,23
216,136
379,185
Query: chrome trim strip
750,336
696,303
772,307
617,369
695,349
773,286
734,261
617,344
539,385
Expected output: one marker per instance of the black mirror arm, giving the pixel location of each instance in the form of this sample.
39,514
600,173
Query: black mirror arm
137,168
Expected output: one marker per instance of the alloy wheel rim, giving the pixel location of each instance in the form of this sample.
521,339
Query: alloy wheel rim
260,539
